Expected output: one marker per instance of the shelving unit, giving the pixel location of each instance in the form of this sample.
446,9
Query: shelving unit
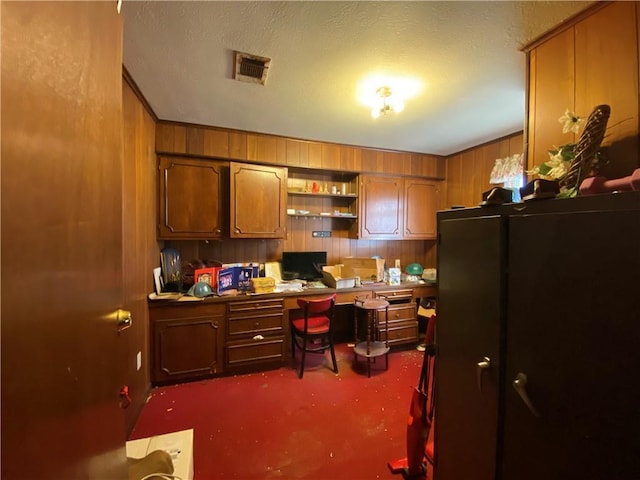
321,194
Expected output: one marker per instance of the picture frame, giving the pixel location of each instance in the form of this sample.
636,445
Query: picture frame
206,275
157,280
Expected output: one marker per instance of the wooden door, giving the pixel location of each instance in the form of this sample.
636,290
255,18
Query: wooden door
573,319
468,338
381,203
192,197
420,206
61,240
258,201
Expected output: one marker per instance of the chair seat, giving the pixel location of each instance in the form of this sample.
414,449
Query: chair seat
317,325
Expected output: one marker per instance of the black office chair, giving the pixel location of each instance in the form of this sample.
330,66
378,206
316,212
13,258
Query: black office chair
313,332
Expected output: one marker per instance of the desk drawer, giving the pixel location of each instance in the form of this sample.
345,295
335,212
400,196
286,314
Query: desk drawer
254,306
401,333
398,313
396,296
269,323
255,352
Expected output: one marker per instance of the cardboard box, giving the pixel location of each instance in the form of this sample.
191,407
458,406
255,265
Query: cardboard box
226,280
177,444
365,268
333,277
236,276
263,285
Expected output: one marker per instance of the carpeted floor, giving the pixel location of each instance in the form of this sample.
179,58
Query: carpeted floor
273,425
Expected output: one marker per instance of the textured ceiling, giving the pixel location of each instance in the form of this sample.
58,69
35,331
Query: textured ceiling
464,57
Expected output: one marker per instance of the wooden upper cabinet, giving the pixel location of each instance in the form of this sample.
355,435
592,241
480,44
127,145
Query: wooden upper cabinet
607,71
420,206
551,86
192,198
258,201
381,207
592,62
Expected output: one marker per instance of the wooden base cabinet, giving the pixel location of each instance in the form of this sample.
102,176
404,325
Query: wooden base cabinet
256,335
187,342
537,337
403,322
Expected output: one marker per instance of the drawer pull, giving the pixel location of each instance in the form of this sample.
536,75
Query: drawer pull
258,337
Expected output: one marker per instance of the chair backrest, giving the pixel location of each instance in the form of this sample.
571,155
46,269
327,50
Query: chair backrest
317,305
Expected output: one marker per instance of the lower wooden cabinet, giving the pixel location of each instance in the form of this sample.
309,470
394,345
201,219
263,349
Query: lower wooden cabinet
403,321
187,342
256,335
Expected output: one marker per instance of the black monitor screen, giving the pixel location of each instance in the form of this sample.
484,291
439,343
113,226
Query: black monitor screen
303,265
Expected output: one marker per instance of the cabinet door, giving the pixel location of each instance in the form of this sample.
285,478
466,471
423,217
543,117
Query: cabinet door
468,338
551,91
573,330
258,201
187,348
420,206
191,198
381,207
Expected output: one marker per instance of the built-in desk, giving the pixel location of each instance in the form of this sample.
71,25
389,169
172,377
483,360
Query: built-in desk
234,334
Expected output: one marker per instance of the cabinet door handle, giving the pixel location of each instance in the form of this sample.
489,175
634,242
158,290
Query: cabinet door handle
482,367
258,337
520,384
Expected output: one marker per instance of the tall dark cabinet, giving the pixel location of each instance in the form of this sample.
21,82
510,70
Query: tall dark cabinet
539,340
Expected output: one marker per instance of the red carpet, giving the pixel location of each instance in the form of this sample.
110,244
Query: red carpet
274,425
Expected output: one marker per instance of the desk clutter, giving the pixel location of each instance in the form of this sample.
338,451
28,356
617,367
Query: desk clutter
297,272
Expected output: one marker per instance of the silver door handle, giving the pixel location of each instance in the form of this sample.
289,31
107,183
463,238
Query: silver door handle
520,384
482,367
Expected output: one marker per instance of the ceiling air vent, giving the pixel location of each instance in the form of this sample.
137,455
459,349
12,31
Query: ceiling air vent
250,68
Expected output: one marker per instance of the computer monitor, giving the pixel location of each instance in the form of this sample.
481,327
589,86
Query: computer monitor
303,265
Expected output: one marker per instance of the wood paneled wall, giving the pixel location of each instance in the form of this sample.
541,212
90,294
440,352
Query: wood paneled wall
203,141
591,60
468,172
141,250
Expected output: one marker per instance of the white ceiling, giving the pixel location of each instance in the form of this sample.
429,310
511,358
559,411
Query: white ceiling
465,55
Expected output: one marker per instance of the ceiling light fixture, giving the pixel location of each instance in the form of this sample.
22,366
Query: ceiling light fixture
386,102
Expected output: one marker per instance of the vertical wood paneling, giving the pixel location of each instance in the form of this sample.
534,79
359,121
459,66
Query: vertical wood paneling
281,151
216,143
393,162
607,72
349,159
331,156
369,159
140,248
195,140
315,155
238,145
292,154
468,172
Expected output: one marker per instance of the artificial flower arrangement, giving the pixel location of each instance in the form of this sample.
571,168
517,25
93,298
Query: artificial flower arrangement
561,158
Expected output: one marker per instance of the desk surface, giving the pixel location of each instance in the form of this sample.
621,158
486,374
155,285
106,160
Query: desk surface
344,295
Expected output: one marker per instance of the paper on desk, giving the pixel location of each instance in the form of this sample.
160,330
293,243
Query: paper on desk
189,298
165,296
272,269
